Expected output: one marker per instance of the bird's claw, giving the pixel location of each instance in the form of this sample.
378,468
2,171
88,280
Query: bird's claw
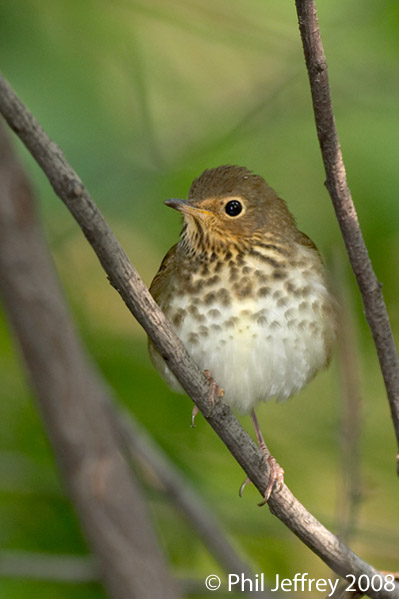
246,482
193,415
276,479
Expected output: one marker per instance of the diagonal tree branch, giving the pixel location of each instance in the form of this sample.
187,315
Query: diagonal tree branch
23,250
337,185
126,280
73,402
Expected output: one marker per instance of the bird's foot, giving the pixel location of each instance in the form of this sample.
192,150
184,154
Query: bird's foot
215,392
276,473
276,478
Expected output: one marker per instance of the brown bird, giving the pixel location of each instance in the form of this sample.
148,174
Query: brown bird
246,293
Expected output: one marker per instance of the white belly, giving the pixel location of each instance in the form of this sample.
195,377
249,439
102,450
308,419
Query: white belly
257,348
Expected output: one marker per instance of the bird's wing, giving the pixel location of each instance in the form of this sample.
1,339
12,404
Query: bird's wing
162,277
303,239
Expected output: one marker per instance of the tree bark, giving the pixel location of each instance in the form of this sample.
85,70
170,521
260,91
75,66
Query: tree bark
337,185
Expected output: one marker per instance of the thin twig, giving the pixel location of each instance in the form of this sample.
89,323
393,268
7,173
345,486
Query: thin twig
126,280
337,185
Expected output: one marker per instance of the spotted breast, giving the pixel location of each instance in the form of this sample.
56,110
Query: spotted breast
257,318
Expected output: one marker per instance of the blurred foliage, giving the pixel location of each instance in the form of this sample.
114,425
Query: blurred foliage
142,95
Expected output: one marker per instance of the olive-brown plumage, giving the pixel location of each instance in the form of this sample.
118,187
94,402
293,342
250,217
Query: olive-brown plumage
245,291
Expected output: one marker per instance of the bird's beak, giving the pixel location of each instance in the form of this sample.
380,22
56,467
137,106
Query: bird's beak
180,205
184,207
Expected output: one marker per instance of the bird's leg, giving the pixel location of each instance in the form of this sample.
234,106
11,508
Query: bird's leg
214,391
276,473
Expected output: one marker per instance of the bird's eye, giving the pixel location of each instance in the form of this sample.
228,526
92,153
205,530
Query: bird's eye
233,208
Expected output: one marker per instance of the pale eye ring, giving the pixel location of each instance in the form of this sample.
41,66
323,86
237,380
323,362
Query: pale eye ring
233,208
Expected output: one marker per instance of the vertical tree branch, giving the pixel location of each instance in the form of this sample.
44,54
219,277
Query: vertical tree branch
337,186
350,487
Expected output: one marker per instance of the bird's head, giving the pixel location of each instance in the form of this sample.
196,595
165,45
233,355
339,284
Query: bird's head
231,205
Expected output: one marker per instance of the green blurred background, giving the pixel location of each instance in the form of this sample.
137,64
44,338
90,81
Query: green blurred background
142,96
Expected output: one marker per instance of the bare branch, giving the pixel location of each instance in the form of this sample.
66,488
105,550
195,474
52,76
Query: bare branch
133,291
140,446
109,503
345,210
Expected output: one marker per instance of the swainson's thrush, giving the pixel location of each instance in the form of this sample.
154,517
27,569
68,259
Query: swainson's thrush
246,293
